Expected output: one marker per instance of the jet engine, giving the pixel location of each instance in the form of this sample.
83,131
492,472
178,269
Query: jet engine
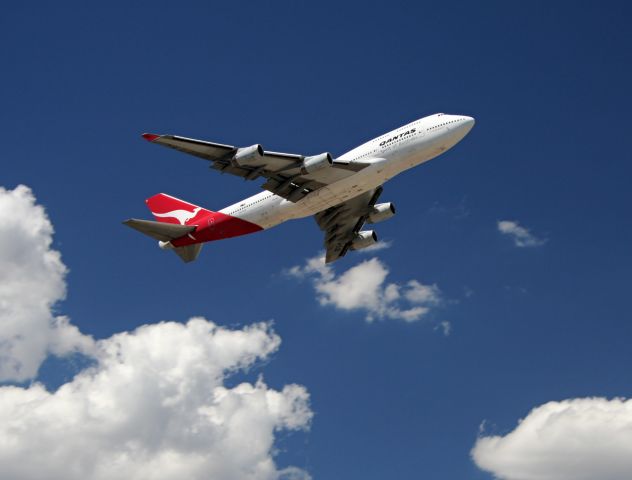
381,212
248,155
364,239
315,163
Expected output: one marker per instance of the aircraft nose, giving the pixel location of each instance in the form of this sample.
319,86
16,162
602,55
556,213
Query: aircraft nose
458,128
466,124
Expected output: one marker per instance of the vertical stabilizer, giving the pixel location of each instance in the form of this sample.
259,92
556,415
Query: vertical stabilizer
168,209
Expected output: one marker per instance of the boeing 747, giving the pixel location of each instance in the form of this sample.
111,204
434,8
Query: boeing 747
341,193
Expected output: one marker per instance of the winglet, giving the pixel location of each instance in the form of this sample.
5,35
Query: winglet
150,137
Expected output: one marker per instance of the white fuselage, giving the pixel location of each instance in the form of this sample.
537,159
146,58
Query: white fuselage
388,155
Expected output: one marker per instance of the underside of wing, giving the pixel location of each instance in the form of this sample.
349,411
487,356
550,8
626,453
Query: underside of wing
199,148
288,175
342,225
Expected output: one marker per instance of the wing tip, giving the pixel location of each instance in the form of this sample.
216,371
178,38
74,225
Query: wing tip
150,137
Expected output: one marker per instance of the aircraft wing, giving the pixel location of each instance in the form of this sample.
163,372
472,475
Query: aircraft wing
342,222
288,175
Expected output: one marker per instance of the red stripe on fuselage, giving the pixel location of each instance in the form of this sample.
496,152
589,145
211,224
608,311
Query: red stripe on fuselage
216,226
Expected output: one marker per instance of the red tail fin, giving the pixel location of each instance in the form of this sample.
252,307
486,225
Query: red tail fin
169,209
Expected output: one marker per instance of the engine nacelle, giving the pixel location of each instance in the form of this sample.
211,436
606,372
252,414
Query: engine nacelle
315,163
364,239
248,155
381,212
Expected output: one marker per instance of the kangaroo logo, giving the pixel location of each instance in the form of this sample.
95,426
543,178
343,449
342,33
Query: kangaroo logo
182,216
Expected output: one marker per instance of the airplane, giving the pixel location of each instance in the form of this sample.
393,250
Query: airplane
341,193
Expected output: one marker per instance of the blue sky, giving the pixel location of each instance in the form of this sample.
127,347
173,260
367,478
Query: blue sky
548,84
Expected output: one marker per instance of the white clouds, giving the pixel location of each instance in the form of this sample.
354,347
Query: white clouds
578,439
154,405
446,328
521,236
31,282
364,288
376,247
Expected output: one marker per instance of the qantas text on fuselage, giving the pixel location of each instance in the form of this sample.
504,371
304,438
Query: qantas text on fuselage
341,193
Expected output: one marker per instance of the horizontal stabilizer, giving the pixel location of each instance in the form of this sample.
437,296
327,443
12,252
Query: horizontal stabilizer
188,253
159,230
